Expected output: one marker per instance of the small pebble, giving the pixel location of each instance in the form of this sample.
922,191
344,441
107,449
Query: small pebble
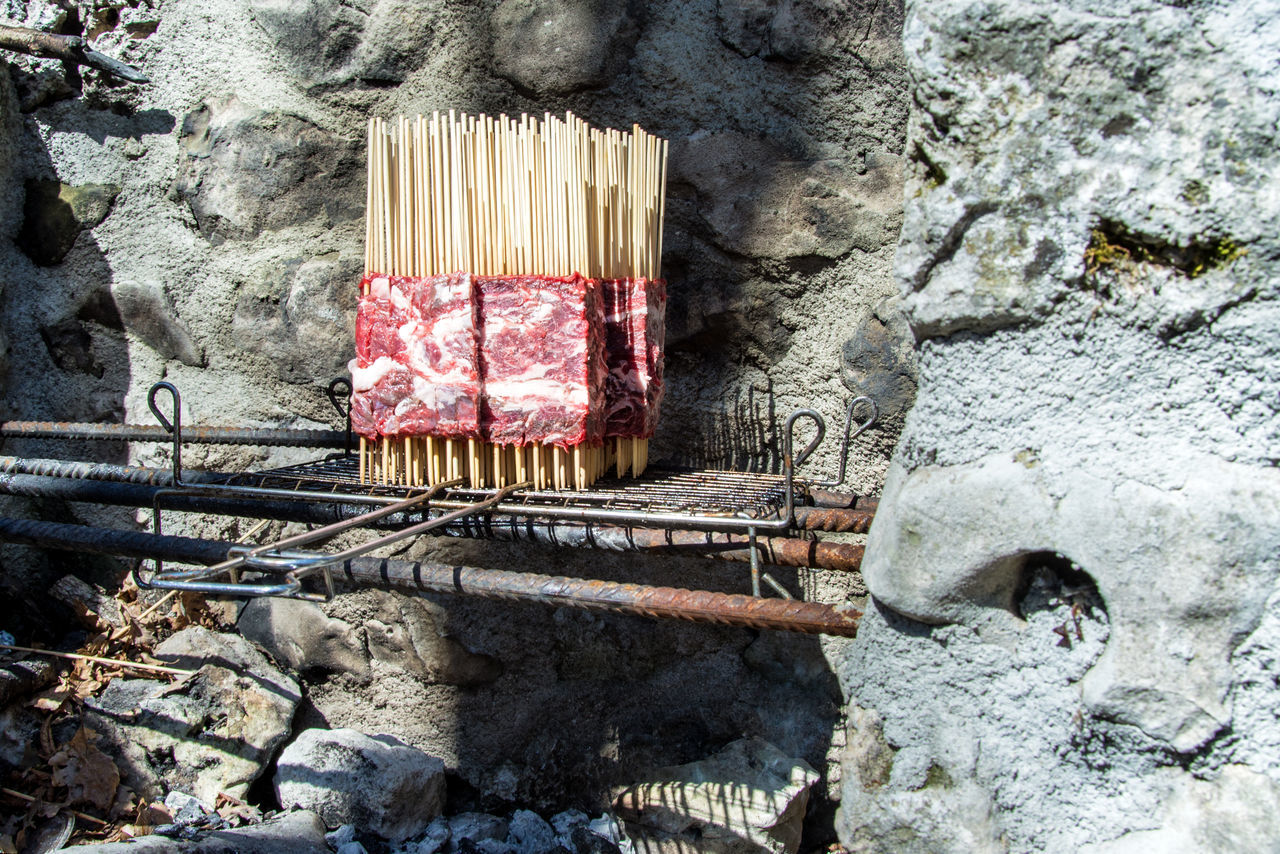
340,837
185,809
565,822
435,838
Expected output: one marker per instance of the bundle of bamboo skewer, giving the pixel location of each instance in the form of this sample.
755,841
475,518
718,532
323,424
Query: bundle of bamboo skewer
503,196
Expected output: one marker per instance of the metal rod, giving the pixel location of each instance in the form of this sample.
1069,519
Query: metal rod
658,602
778,551
754,557
856,521
266,436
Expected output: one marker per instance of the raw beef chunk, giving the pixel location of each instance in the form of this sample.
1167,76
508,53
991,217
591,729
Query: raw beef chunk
415,372
634,312
542,358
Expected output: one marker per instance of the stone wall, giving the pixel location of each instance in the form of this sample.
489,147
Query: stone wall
207,229
1074,641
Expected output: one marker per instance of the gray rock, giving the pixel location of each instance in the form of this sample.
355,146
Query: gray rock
407,633
297,832
341,836
54,214
529,833
298,316
328,43
564,822
476,827
487,846
213,731
757,201
301,635
749,796
70,347
789,30
1120,533
147,311
585,841
376,782
351,848
606,826
435,838
878,361
184,808
21,678
1089,260
247,171
1232,812
554,48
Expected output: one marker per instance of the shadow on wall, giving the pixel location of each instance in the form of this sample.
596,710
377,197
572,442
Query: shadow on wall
64,317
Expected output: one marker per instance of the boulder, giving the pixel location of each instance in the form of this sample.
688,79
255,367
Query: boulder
378,783
758,201
330,43
212,731
555,48
54,214
298,633
749,797
246,171
1088,262
408,632
297,315
147,311
529,833
1233,811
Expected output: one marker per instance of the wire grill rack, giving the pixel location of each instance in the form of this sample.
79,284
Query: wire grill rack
719,496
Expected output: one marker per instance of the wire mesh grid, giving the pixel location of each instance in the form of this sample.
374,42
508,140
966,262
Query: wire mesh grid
710,493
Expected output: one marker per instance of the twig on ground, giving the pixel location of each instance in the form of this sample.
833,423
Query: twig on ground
73,49
156,668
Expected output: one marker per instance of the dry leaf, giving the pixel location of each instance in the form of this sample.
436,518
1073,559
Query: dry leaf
52,700
88,774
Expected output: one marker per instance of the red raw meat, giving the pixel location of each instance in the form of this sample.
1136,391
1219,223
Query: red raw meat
542,358
416,372
634,313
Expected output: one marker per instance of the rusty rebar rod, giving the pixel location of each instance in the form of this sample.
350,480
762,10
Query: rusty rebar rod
700,606
267,436
834,520
778,551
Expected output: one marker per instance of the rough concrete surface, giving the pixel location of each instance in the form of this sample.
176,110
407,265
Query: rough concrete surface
1088,260
227,264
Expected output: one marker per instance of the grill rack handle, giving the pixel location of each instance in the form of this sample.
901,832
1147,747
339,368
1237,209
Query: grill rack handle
788,439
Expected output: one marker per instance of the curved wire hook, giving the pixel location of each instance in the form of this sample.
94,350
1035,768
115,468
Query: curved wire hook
173,427
849,437
344,412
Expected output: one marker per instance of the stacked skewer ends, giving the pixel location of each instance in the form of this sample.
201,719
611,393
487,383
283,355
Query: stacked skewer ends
511,315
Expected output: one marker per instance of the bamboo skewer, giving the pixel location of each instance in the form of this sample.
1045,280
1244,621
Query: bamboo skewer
509,196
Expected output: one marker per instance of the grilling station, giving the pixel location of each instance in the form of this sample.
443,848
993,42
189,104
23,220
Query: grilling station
757,518
507,381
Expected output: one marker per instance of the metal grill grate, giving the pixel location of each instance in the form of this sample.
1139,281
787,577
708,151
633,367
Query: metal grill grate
700,493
